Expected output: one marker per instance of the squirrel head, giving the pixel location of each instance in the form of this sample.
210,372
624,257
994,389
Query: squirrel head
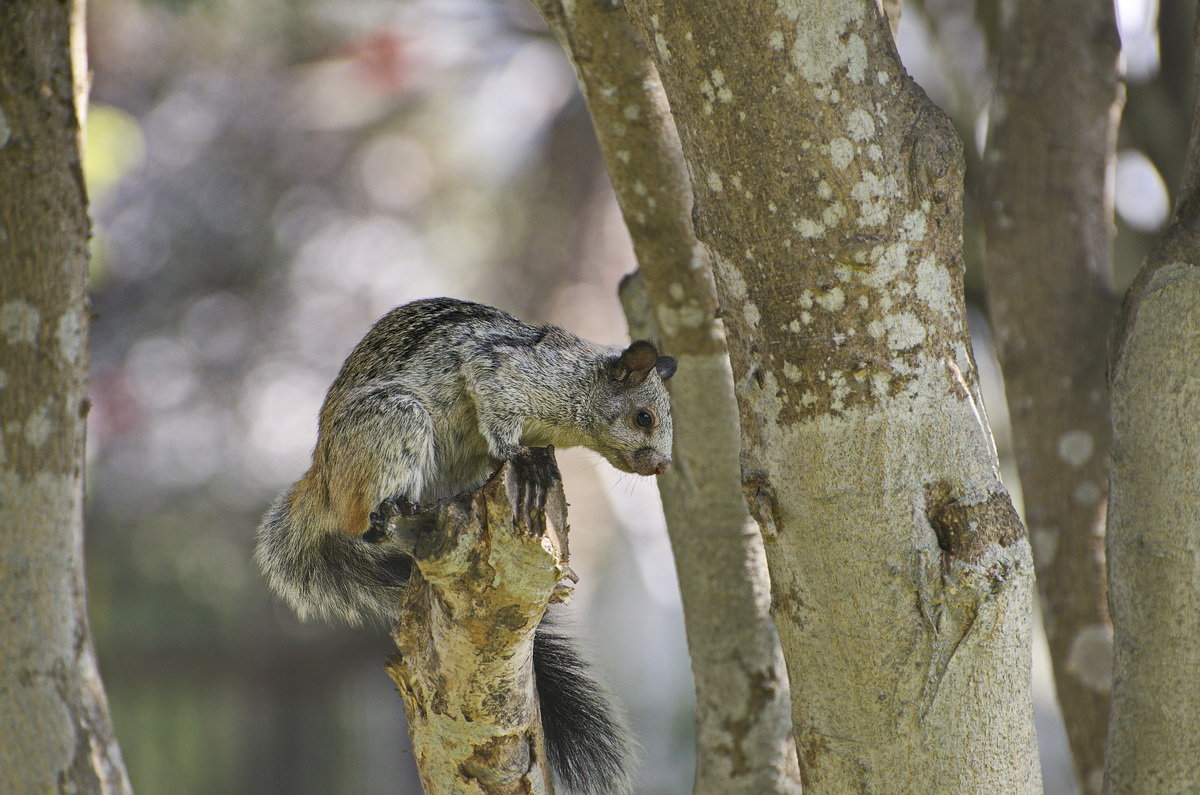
634,426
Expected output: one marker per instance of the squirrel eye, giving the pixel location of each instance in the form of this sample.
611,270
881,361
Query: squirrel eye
644,419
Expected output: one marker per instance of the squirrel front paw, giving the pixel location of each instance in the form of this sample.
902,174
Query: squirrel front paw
535,471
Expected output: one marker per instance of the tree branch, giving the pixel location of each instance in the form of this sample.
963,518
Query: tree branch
743,717
481,582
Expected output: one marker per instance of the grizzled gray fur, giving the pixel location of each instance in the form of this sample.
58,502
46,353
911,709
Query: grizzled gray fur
428,404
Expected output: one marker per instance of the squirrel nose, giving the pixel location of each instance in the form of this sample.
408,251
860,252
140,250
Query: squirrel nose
662,466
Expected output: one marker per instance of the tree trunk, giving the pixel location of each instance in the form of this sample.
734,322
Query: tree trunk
1049,281
828,191
480,585
57,731
743,720
1154,510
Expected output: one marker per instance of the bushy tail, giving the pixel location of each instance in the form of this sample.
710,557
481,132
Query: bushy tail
324,573
586,739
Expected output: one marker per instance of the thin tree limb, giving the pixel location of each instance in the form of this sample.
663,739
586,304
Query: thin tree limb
743,718
1049,228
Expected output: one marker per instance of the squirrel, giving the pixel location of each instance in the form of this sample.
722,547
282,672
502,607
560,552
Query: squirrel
434,398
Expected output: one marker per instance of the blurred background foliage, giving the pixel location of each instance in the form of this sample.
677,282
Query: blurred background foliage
268,178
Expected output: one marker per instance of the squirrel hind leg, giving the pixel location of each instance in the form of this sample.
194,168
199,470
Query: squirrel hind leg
323,573
385,463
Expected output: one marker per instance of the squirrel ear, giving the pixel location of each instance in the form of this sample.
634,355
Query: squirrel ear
635,363
665,366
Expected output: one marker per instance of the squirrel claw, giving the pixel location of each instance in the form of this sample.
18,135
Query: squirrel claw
381,521
531,505
409,509
535,471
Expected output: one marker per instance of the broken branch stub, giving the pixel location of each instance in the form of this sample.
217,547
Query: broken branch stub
482,578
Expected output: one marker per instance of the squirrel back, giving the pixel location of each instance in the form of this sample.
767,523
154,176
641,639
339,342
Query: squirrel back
440,391
435,396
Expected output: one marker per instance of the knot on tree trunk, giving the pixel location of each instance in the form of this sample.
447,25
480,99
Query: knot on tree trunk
965,529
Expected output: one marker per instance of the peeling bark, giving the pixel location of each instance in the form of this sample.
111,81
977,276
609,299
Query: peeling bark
828,191
744,741
481,582
57,735
1049,231
1154,510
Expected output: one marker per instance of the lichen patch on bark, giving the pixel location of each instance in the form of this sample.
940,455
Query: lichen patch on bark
816,52
19,322
1076,447
1091,657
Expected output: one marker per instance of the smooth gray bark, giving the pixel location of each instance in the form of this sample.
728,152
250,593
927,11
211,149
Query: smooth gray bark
1154,510
1048,219
57,735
